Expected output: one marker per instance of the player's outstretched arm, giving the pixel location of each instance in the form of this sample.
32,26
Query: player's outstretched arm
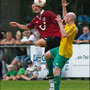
64,4
59,20
15,24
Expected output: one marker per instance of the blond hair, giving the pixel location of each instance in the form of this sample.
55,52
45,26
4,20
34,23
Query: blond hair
18,33
11,66
8,33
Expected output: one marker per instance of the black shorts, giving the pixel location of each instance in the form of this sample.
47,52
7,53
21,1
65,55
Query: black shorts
52,42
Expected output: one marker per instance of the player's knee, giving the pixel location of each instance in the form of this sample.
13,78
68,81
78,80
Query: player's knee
47,56
56,71
37,44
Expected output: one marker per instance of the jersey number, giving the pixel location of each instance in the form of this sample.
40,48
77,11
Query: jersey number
42,28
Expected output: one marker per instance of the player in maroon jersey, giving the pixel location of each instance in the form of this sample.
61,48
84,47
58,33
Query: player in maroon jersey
46,24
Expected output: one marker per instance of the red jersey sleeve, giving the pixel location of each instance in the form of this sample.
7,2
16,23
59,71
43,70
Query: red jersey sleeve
31,24
52,16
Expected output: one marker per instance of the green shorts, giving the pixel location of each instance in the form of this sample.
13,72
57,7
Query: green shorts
59,61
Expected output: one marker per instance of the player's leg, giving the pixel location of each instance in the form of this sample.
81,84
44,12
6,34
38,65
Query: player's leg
59,63
40,43
49,62
57,78
48,57
51,42
38,51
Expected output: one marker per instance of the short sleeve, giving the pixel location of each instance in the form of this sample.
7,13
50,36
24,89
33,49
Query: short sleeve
88,38
71,30
23,39
32,38
81,37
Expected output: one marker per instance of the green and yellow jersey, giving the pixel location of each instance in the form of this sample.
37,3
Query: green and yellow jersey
66,48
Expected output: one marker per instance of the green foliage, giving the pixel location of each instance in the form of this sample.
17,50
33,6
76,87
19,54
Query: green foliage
80,7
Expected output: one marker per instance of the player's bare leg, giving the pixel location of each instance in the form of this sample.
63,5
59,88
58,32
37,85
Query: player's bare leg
40,43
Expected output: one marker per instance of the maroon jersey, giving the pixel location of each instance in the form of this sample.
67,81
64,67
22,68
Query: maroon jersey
46,24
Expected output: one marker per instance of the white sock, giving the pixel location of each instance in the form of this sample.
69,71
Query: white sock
51,81
38,56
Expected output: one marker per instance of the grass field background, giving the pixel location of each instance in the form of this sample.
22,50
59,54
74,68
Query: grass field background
44,85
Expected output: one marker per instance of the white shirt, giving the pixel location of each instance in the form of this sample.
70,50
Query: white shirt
32,73
32,38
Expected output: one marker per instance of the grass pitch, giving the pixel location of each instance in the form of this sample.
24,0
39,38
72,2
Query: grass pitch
44,85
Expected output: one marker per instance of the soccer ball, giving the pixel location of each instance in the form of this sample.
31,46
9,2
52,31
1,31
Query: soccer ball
40,3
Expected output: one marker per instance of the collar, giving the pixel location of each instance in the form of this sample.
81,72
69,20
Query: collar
85,35
41,14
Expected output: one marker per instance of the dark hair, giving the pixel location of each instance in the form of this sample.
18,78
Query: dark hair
29,62
86,26
3,31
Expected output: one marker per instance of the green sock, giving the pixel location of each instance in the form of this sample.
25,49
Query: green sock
50,66
57,80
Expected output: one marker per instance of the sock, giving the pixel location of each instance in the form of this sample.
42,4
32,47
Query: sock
57,80
51,81
50,66
38,56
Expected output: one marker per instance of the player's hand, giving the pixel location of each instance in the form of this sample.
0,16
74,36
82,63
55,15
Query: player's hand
13,24
59,20
64,3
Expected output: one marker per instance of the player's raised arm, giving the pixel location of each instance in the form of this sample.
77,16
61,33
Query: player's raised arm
59,20
15,24
64,10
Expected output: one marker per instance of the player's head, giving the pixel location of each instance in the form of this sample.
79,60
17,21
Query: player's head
70,17
36,9
85,29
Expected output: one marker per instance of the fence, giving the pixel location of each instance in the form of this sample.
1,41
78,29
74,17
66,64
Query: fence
77,66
